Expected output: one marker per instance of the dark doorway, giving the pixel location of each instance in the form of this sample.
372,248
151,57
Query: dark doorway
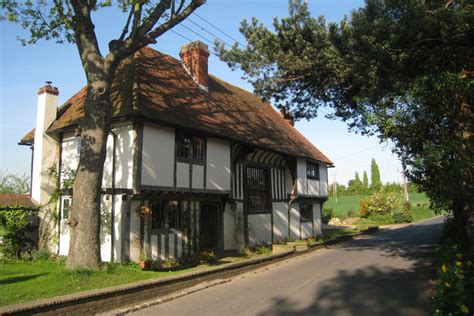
209,226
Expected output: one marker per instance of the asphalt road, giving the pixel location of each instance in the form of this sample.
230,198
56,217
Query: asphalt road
384,274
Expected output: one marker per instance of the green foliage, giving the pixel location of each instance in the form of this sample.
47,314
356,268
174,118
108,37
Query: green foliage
375,184
207,257
326,215
15,221
381,203
365,183
384,69
402,217
38,279
14,184
455,281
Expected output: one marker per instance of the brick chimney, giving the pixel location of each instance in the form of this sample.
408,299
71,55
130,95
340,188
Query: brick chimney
195,57
287,116
44,148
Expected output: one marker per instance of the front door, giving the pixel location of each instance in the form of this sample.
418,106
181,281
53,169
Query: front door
209,226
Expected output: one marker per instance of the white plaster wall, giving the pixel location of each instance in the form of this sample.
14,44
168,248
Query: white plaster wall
134,232
120,215
280,221
295,221
108,165
301,176
198,177
260,229
69,157
323,172
317,219
124,157
218,164
105,240
312,187
158,155
233,234
182,175
306,230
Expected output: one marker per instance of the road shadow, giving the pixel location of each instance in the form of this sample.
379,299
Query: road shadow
374,289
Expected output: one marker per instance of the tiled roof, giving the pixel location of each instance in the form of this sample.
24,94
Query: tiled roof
17,199
156,87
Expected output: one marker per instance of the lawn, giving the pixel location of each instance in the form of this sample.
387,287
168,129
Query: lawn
346,203
28,281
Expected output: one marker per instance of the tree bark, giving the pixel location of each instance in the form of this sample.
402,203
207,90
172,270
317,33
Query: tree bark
84,247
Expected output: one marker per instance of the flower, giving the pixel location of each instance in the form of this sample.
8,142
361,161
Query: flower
464,309
458,263
444,268
447,284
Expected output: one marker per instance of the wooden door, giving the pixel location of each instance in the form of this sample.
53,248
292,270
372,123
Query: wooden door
209,226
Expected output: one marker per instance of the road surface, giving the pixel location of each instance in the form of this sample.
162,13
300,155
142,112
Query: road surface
383,274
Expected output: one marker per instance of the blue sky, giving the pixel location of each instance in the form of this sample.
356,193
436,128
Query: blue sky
24,69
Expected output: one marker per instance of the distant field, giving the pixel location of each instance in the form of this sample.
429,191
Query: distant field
346,203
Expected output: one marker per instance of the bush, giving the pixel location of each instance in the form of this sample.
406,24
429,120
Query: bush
327,215
455,284
207,257
15,220
402,217
351,213
382,203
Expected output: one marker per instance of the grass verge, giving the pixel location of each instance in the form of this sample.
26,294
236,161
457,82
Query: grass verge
29,281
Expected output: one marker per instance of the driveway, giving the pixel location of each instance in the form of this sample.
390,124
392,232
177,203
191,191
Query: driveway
386,273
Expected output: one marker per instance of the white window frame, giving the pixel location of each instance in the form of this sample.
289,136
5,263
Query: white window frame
63,200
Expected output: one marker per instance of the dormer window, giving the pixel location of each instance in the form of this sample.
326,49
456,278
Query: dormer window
191,149
312,170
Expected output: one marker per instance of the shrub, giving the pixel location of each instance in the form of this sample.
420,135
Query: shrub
455,284
41,255
402,217
207,257
15,220
351,213
327,215
382,203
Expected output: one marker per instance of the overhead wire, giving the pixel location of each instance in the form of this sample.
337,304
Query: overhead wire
218,29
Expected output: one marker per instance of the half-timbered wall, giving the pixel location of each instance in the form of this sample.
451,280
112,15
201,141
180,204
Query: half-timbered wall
311,187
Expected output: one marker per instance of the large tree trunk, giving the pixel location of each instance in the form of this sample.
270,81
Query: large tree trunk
84,247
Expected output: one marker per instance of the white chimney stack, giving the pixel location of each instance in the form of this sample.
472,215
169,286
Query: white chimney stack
44,155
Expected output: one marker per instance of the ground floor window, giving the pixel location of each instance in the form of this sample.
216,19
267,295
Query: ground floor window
258,190
306,212
166,214
66,202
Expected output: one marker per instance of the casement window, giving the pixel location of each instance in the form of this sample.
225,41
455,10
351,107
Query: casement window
191,149
312,170
65,207
166,214
306,212
258,190
78,144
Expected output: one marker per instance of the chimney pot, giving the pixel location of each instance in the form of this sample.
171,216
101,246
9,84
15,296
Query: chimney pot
195,57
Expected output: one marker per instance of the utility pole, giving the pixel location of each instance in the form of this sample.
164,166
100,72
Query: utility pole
334,191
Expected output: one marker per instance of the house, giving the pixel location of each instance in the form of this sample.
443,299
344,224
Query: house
215,165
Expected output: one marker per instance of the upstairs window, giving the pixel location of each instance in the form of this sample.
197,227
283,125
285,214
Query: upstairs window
191,149
306,212
312,170
258,190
